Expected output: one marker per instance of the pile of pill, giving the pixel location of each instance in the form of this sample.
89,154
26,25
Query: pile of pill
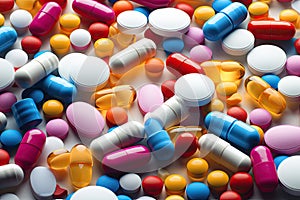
149,99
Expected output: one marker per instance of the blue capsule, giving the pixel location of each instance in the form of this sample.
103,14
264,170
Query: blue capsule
143,10
8,36
219,5
36,94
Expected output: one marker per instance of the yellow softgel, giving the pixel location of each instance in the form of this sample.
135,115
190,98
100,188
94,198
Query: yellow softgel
226,88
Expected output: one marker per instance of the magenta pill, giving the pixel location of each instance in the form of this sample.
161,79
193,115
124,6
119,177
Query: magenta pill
149,98
260,117
200,53
293,65
58,128
7,99
193,37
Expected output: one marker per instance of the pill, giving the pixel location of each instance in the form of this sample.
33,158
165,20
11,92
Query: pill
272,80
278,160
3,121
26,5
94,11
174,197
262,162
297,45
242,183
186,8
17,57
104,47
57,128
7,74
62,3
152,185
289,15
80,39
197,169
68,23
53,109
60,193
226,88
215,105
98,30
258,10
173,45
202,14
230,195
2,20
144,10
217,181
167,88
175,184
198,131
225,21
145,198
70,62
52,143
123,197
261,134
149,97
20,20
60,44
8,37
85,120
197,190
130,183
31,44
287,89
10,175
10,138
200,53
186,145
7,99
154,67
4,157
292,66
108,182
238,113
9,196
161,22
116,116
122,6
6,6
42,182
59,161
234,99
154,4
193,37
45,20
131,22
260,117
94,193
218,5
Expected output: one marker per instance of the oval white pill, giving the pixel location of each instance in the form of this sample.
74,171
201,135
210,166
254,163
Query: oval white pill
131,22
70,63
287,87
20,19
94,193
266,59
17,57
7,74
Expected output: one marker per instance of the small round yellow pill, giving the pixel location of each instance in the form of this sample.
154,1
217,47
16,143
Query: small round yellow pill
217,181
288,15
258,10
234,99
175,184
197,169
60,43
202,14
216,105
104,47
261,134
226,88
2,19
53,109
174,197
68,23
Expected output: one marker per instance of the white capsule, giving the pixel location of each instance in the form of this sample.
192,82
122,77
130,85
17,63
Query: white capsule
10,175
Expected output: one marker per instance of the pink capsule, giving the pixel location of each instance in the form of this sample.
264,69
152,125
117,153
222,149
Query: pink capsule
45,20
264,169
30,149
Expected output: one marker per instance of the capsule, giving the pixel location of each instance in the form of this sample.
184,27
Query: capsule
264,169
126,160
272,30
8,36
30,148
223,153
122,136
225,21
237,133
178,64
10,175
154,4
267,97
62,3
59,161
81,163
94,11
45,20
26,4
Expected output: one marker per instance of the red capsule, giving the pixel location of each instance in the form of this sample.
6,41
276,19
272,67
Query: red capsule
31,44
242,183
167,88
179,65
186,145
60,193
152,185
245,2
272,30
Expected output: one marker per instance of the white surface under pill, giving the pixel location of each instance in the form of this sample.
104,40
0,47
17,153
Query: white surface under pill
9,196
70,63
289,87
92,75
132,22
3,121
94,193
238,43
17,57
169,22
20,20
52,144
7,74
195,89
130,183
266,59
80,39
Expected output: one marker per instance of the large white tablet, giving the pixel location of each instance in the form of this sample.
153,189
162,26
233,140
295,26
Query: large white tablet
94,193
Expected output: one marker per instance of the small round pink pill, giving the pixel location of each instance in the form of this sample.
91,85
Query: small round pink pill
260,117
149,97
7,99
58,128
293,65
200,53
193,37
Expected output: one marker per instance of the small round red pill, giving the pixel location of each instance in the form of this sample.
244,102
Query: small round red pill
4,157
238,113
242,183
121,6
7,99
167,88
230,195
6,5
60,193
186,145
116,116
31,44
152,185
297,45
186,8
98,30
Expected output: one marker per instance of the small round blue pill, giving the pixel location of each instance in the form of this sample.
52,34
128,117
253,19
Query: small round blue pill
173,45
10,138
197,191
108,182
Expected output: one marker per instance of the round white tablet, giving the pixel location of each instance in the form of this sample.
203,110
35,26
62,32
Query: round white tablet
289,87
7,74
130,183
69,63
17,57
80,39
195,89
92,75
266,59
238,43
288,175
94,193
169,22
132,22
20,19
9,196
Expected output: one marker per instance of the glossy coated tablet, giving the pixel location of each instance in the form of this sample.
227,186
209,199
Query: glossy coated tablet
7,74
20,18
238,43
9,196
265,59
195,89
17,57
132,22
289,87
94,193
149,98
69,63
169,22
289,176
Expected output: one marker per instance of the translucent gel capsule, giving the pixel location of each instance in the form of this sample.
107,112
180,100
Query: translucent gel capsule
121,96
265,95
59,161
81,163
175,131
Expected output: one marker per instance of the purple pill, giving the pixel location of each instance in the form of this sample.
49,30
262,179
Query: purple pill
193,37
260,117
293,65
200,53
58,128
7,99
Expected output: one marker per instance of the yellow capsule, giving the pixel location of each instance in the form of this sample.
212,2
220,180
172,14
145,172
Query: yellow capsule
261,134
121,96
226,88
53,109
174,197
68,23
198,131
289,15
104,47
175,184
26,4
258,10
217,181
267,97
81,166
60,43
59,161
234,99
197,169
2,20
202,14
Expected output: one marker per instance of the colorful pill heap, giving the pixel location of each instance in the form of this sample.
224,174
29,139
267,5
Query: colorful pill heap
149,99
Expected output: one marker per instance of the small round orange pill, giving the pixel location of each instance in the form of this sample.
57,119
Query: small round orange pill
2,19
53,109
154,67
116,116
60,44
121,6
202,14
